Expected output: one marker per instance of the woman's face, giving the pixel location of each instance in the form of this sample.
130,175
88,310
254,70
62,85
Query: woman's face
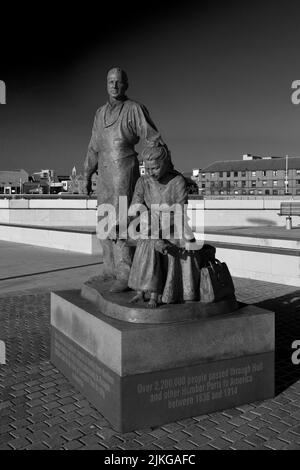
155,169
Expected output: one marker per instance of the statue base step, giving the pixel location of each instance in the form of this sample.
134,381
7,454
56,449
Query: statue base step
118,306
140,375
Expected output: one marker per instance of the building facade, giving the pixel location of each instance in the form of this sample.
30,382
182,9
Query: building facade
42,182
76,183
252,176
11,181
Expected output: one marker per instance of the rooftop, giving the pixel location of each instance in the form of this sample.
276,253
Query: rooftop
253,165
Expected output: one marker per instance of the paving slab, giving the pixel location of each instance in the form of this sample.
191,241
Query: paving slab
18,259
40,409
25,268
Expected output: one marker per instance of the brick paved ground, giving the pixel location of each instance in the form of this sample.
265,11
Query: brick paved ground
39,409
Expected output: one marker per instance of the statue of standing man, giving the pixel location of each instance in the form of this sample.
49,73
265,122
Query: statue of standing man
118,127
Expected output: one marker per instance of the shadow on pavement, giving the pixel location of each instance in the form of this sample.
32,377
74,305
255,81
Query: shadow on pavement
287,330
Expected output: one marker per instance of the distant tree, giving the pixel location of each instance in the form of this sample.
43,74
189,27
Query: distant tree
192,186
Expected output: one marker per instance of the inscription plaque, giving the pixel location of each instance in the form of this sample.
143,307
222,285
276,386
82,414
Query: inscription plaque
200,389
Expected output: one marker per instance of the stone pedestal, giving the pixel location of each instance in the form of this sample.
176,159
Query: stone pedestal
146,374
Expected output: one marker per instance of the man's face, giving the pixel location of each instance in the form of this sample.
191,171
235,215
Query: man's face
155,169
116,86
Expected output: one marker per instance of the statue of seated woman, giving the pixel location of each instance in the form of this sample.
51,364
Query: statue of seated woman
165,268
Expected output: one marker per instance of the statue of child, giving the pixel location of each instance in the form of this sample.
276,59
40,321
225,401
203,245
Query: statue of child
155,269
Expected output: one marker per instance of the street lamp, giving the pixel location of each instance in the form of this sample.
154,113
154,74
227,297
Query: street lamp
286,182
49,183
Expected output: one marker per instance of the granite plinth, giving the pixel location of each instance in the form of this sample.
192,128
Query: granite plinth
141,375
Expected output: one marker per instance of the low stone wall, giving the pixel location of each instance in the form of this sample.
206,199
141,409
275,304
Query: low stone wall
50,212
48,237
243,212
82,212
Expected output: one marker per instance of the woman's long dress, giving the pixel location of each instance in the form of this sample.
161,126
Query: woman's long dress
175,276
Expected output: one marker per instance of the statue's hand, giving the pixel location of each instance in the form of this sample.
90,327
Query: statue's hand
171,249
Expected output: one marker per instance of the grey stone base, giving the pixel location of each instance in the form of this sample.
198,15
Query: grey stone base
147,375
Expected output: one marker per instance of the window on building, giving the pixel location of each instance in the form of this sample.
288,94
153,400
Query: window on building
243,173
221,174
236,174
298,172
298,181
275,192
275,183
267,192
264,173
297,191
253,173
275,172
212,184
228,174
228,184
235,184
236,192
251,192
203,175
264,183
203,185
253,184
244,192
243,184
213,175
259,192
221,184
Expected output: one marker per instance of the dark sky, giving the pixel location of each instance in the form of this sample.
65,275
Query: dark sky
215,78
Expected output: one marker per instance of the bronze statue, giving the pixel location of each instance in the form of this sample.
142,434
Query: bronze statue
118,127
164,269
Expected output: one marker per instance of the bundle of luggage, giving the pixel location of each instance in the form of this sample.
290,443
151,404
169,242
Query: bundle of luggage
215,280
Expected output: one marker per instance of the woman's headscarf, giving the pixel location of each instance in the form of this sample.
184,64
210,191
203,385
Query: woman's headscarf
159,153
